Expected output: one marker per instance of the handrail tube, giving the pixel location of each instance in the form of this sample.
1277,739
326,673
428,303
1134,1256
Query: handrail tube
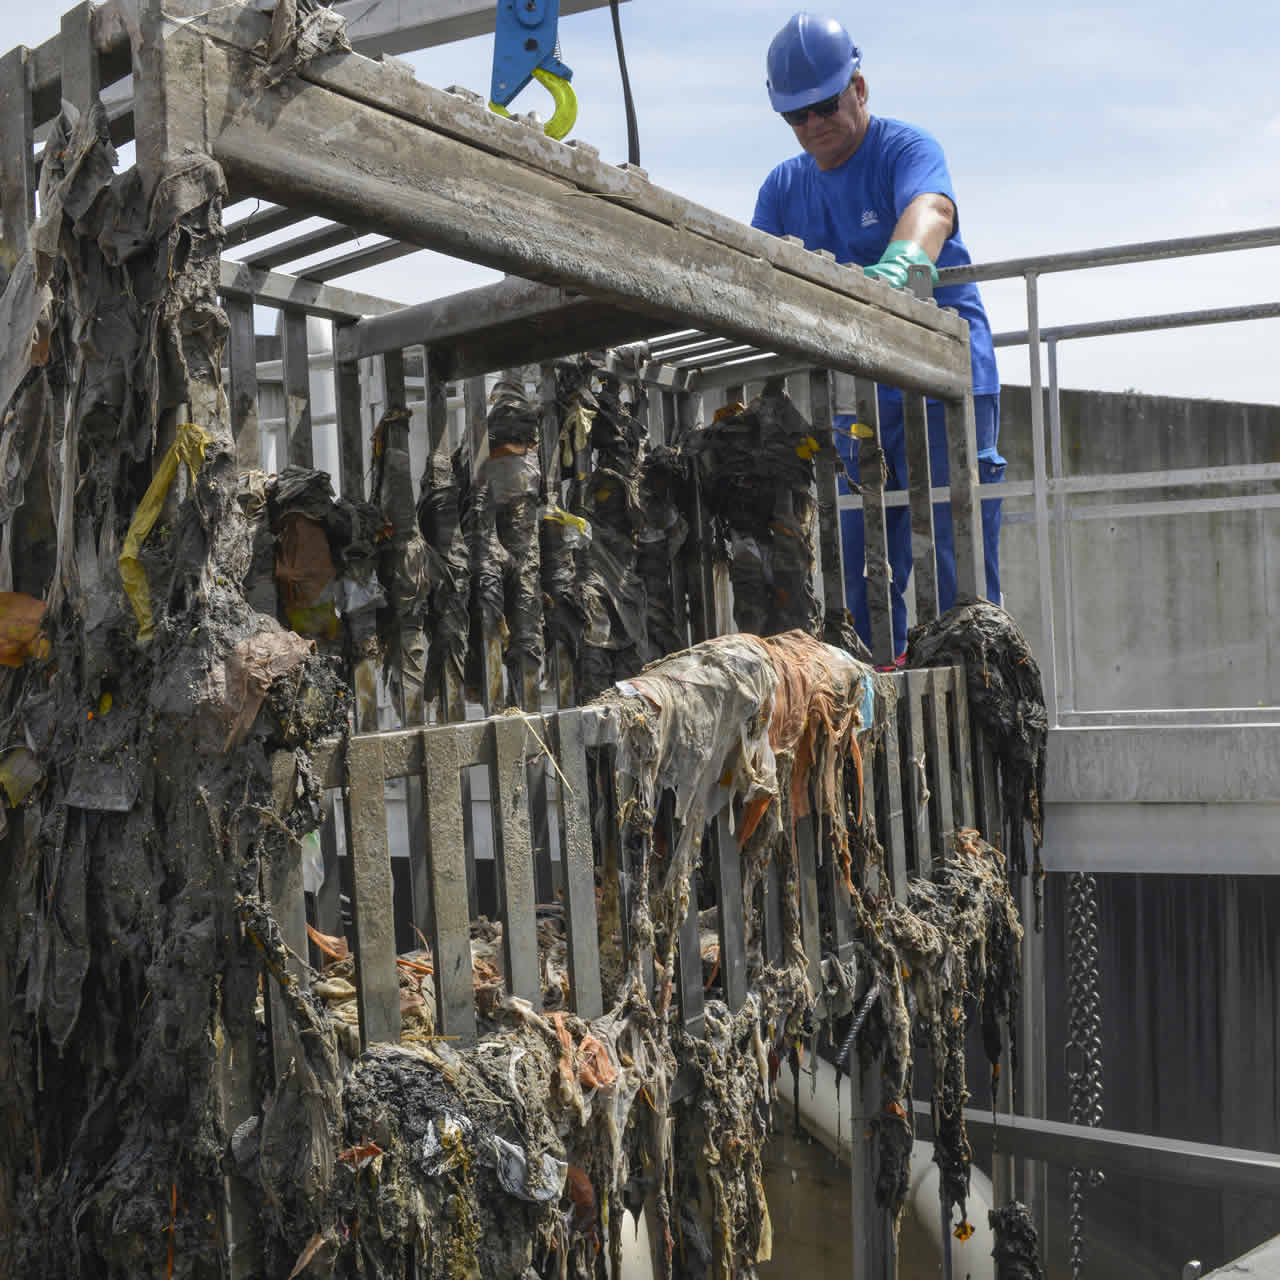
1112,1150
1112,256
1142,324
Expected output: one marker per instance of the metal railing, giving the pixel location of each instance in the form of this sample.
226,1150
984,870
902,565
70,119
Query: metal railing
1051,491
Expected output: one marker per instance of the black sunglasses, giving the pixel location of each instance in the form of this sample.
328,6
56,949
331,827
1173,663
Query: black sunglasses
827,107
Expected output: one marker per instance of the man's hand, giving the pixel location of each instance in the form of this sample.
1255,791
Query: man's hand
896,261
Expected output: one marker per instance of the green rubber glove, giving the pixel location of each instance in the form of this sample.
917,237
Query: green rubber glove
894,261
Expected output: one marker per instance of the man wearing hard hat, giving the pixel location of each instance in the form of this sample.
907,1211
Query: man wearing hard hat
877,192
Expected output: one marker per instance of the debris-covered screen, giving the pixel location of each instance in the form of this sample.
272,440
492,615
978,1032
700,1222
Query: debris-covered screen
185,1090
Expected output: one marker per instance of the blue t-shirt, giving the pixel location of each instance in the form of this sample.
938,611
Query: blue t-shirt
853,209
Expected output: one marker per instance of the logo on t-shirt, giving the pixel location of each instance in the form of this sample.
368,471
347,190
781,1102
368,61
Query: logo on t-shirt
870,217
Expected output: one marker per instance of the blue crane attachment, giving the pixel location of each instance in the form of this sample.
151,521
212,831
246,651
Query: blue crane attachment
526,47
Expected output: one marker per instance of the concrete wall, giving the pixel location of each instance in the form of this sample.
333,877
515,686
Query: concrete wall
1169,610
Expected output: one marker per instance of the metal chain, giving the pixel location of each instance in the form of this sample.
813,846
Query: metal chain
1084,1044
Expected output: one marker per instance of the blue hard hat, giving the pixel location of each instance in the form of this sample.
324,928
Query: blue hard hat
810,59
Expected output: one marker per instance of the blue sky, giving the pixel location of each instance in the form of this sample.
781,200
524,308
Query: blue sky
1065,128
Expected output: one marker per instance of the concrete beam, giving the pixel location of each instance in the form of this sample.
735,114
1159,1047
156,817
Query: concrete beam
1169,763
437,171
1168,839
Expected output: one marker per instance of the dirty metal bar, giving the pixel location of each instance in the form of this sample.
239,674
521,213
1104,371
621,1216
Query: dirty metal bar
576,860
831,549
262,222
452,705
513,321
773,941
875,887
17,172
966,510
889,770
469,807
987,788
915,772
699,565
415,803
733,944
810,926
924,563
284,894
756,369
841,906
446,852
329,895
938,741
1061,534
420,185
173,83
393,380
377,981
962,742
475,397
235,1044
242,361
358,260
614,926
514,858
1048,637
540,830
871,471
108,38
351,430
689,967
273,288
300,247
79,59
297,386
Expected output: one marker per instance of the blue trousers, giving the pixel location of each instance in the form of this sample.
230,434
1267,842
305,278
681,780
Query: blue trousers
898,519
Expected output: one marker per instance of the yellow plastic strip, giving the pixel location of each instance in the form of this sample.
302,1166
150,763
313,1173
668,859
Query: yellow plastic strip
189,447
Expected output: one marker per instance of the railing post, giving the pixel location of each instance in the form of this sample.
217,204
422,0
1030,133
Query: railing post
1062,533
1048,641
